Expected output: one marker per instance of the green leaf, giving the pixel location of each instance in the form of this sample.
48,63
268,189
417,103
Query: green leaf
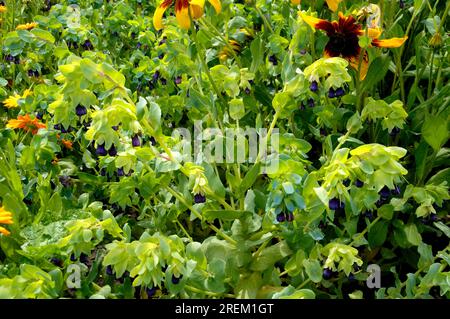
386,211
237,108
269,256
313,270
377,71
378,233
435,131
43,35
444,228
210,215
412,234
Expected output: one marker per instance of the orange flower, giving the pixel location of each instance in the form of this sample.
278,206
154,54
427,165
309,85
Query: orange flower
184,10
26,123
67,144
344,39
6,219
27,26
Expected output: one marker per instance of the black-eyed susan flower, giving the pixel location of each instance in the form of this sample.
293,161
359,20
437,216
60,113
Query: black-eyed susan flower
26,123
344,39
184,11
5,219
27,26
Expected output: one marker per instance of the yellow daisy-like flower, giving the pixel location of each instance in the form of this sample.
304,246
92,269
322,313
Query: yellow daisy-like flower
27,93
184,10
27,26
3,9
12,101
5,219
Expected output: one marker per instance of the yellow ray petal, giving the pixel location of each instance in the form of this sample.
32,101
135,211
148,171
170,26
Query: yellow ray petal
389,43
296,2
216,4
354,62
4,231
313,22
182,15
373,33
159,12
196,11
333,4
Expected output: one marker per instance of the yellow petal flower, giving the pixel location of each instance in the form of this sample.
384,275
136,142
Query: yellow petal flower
295,2
3,9
157,17
333,4
12,101
364,68
312,21
182,15
389,43
4,231
216,4
27,26
27,93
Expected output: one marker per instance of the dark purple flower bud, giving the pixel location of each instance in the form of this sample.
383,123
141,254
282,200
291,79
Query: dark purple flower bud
402,4
103,172
138,45
152,140
133,35
384,192
120,172
359,183
88,45
115,127
84,258
273,59
314,86
339,92
56,261
351,277
39,115
57,127
161,56
156,76
65,181
109,270
368,214
434,218
396,191
394,131
199,198
73,257
335,204
301,107
178,80
176,280
311,102
281,217
80,110
112,151
247,91
303,51
63,130
150,292
346,182
163,81
30,73
163,40
327,273
135,140
101,151
331,93
290,217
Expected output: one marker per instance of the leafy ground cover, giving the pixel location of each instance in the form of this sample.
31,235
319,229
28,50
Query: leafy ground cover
98,198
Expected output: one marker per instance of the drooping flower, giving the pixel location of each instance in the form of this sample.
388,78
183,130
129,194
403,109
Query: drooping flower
5,219
344,40
27,26
26,123
184,10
